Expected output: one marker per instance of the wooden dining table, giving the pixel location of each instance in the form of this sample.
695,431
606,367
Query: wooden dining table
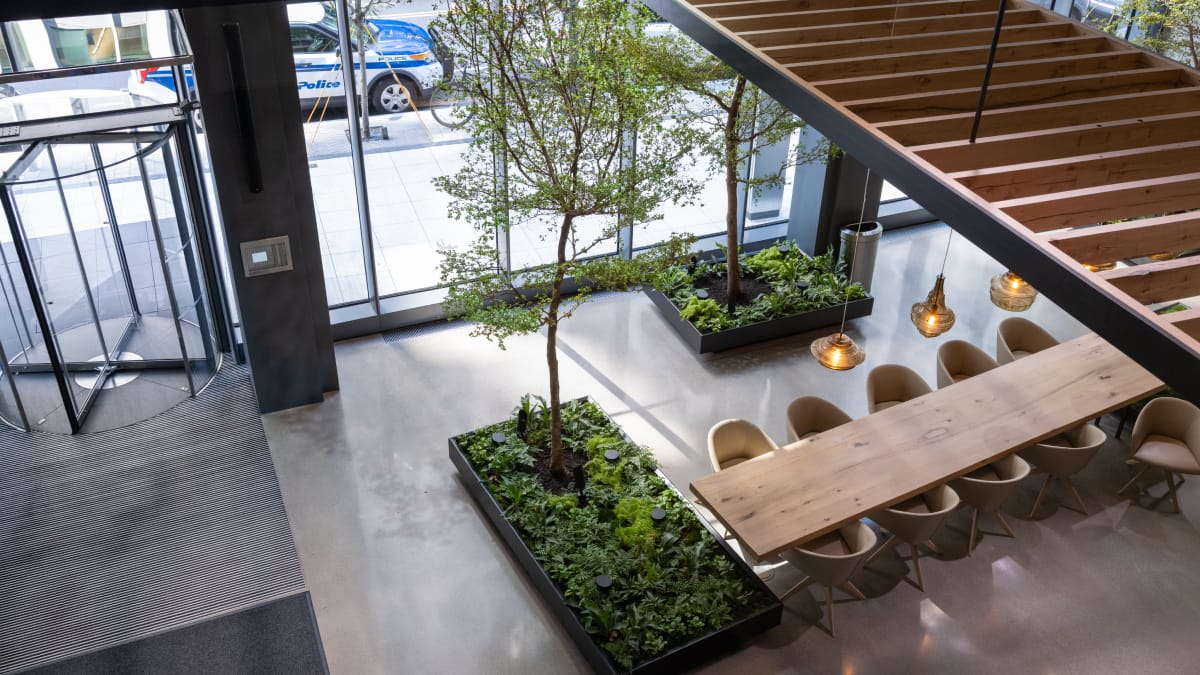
811,487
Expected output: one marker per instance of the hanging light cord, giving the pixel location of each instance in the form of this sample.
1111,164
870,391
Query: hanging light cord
854,261
947,256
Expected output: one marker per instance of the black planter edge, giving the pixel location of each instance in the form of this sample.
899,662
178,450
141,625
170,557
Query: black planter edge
703,343
672,661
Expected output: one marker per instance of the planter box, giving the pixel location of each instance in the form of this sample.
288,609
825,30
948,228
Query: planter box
672,661
702,343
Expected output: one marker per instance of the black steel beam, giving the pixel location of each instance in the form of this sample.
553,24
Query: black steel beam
1057,277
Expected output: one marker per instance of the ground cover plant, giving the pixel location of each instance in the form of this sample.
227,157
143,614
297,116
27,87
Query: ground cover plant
671,581
777,281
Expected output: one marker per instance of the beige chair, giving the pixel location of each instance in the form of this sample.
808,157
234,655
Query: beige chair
831,560
987,489
957,360
892,384
810,415
1017,337
914,522
1166,436
733,441
1064,456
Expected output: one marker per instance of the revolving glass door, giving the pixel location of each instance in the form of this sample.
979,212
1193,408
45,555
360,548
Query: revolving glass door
104,316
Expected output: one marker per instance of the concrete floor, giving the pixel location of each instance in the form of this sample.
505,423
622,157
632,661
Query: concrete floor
407,577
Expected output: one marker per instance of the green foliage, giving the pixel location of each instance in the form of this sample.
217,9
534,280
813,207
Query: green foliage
1169,27
782,269
672,582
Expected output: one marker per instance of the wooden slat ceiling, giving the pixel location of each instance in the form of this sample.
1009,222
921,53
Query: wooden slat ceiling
1088,150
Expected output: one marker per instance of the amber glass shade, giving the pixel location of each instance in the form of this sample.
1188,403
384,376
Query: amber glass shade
932,317
1011,293
838,352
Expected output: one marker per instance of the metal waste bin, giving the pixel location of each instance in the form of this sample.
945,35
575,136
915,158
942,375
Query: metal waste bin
861,241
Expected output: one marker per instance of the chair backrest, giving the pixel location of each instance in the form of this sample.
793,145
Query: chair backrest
893,382
989,494
835,569
1017,336
917,527
734,441
812,415
1168,416
958,360
1083,442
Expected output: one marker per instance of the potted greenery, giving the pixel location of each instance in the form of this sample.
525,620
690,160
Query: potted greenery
562,92
735,119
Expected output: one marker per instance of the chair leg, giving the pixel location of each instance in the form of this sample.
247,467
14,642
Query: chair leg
1041,494
1138,475
1174,496
853,590
829,608
974,529
804,583
1004,523
1124,418
888,545
916,559
1075,493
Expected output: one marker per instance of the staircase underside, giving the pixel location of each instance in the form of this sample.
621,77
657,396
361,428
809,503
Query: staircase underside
1088,151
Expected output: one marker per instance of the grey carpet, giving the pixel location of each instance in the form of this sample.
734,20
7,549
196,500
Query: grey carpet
278,638
113,536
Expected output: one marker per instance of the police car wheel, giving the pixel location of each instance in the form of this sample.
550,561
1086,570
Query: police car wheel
387,97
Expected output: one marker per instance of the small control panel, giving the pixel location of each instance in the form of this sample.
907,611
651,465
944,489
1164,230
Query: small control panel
266,256
10,130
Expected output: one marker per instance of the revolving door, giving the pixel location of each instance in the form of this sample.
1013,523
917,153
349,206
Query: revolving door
104,315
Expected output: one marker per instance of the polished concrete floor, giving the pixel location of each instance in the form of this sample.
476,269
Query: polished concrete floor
407,576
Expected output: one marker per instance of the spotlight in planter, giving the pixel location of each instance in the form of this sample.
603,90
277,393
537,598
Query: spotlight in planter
701,293
499,438
932,317
580,484
802,284
1012,293
612,455
604,582
658,515
838,352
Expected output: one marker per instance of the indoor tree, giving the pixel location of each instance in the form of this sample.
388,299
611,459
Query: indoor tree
1169,27
552,117
735,119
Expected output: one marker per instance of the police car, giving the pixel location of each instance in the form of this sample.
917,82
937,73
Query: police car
395,50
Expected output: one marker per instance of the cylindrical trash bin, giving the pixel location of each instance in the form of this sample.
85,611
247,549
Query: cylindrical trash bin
861,241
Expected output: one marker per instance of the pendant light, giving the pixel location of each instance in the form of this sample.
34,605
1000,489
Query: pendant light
932,317
1099,267
1012,293
838,351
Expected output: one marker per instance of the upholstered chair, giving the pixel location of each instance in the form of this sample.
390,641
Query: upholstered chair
914,522
957,360
1017,337
1064,456
1166,436
892,384
830,561
987,488
810,415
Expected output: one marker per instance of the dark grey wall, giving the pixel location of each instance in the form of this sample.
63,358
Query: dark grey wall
285,319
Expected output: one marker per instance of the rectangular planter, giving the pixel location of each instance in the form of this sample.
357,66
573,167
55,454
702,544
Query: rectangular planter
702,343
675,660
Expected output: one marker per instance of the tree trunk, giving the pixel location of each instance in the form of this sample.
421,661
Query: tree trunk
556,449
364,95
732,269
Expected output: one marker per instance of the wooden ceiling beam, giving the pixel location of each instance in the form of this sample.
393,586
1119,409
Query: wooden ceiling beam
1090,86
1105,203
1073,173
924,60
716,8
1047,116
842,14
791,28
1131,239
925,81
1161,281
790,53
1084,139
1187,321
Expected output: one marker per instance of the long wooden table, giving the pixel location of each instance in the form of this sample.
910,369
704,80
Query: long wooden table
811,487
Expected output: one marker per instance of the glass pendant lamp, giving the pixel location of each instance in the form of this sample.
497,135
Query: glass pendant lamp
1012,293
838,351
932,317
1099,267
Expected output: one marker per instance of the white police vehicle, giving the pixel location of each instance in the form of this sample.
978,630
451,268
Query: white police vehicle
395,50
